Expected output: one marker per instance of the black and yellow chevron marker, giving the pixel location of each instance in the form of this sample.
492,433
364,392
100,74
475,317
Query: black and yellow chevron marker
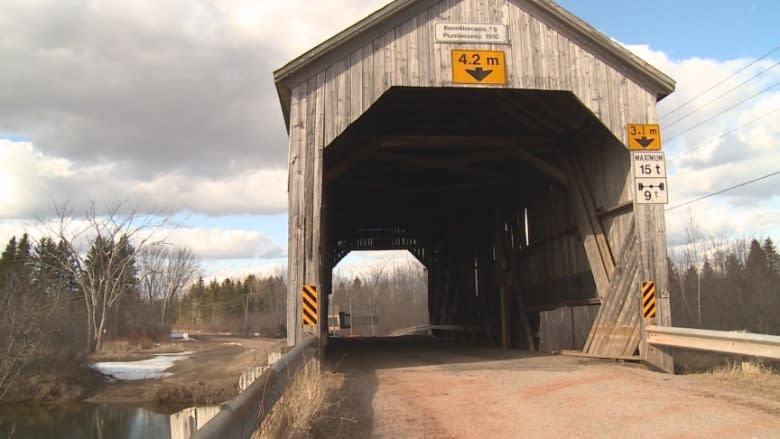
648,299
309,304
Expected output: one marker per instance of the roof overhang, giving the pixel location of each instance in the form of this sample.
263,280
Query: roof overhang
374,25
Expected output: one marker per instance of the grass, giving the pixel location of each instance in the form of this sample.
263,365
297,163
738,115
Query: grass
198,393
748,376
302,402
68,383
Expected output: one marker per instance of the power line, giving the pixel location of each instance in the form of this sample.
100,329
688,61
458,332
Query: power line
724,135
692,112
722,112
719,83
703,197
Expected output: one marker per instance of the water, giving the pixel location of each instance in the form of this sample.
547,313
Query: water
83,421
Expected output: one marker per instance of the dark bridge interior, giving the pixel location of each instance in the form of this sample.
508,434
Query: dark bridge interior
475,183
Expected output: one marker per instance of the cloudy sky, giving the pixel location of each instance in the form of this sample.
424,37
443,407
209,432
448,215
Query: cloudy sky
170,105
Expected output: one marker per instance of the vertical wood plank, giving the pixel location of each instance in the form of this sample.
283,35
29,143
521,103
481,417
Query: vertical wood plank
329,106
413,56
368,75
295,199
356,86
343,100
319,248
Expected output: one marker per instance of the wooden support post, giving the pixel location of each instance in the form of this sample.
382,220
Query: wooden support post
297,160
501,279
651,227
599,253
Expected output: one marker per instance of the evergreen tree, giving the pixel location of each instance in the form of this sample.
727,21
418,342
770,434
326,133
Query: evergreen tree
709,283
734,292
772,258
758,285
7,259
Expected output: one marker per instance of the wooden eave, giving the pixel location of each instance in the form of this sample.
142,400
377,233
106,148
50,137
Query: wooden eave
371,27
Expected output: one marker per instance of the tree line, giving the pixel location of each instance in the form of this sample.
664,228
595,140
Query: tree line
726,286
252,305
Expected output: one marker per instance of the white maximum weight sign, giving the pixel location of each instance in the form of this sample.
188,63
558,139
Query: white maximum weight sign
650,178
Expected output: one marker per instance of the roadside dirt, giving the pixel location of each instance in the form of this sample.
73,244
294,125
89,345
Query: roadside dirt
419,389
208,376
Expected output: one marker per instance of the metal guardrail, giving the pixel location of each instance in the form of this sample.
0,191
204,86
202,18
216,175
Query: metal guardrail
427,328
241,416
738,343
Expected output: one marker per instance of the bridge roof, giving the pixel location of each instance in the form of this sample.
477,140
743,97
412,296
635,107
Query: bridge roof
338,46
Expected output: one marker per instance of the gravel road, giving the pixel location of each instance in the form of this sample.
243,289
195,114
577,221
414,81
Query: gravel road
415,388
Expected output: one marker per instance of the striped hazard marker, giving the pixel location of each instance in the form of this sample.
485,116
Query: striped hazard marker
309,304
648,299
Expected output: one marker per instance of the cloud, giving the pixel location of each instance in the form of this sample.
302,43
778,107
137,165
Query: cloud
171,104
227,244
31,183
174,86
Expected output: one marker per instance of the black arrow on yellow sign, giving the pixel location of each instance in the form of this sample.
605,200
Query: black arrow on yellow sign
644,141
479,73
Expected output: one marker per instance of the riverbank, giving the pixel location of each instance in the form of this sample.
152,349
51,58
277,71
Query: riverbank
209,375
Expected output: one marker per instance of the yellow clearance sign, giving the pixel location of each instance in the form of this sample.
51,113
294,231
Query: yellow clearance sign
644,137
478,67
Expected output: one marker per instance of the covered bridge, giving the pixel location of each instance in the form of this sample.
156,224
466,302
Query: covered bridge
488,138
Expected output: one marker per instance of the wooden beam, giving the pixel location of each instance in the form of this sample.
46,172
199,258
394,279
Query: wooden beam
456,166
541,166
513,147
632,358
356,155
501,280
405,142
617,209
599,254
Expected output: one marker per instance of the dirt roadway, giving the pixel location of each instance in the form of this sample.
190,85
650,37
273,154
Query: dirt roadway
208,376
413,390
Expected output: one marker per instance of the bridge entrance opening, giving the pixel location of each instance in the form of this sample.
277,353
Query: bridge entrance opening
475,183
377,294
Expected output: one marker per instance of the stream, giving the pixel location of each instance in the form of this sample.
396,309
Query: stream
79,421
109,421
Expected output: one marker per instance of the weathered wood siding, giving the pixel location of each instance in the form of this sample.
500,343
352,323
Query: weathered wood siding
538,57
541,55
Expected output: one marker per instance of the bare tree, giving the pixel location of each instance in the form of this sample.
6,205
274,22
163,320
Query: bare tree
114,239
23,327
165,272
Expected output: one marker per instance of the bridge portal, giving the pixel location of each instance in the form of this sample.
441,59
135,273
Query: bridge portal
488,138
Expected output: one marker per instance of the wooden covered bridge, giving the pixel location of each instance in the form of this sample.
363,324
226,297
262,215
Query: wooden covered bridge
488,138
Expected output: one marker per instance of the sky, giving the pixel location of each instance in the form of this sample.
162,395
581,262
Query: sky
171,107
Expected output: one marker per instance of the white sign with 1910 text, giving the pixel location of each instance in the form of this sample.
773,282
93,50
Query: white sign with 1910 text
471,33
650,177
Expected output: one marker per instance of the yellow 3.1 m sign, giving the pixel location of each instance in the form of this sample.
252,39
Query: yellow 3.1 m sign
478,67
644,137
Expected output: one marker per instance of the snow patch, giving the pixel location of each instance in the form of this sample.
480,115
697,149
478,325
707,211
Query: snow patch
140,370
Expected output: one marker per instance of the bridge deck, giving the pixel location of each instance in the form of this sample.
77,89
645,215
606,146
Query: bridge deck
418,387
